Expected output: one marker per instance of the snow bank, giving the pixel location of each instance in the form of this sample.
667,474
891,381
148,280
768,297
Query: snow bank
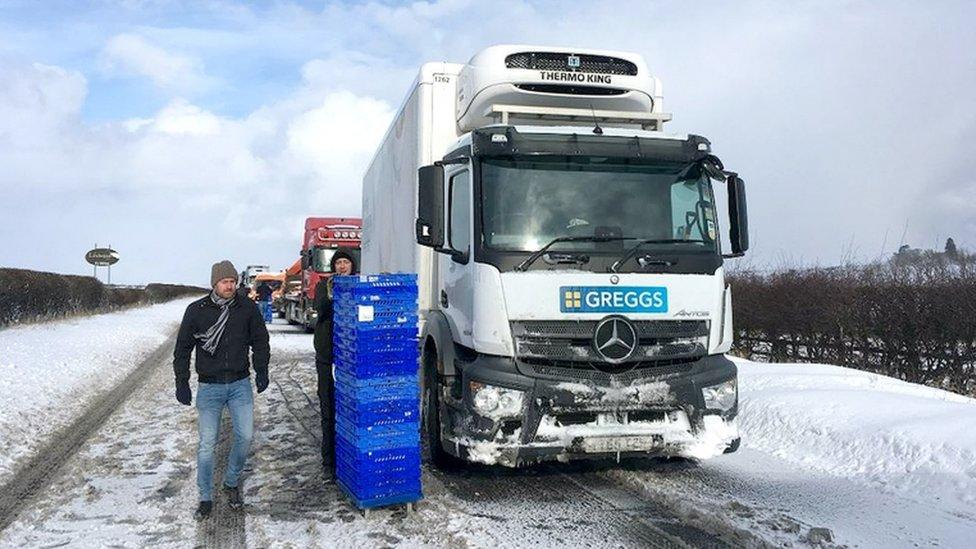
917,441
50,371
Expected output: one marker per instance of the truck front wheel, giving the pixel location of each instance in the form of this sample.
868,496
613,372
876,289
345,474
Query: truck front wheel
431,420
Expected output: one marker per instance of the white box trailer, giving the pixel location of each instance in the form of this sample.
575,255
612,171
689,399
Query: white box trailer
572,289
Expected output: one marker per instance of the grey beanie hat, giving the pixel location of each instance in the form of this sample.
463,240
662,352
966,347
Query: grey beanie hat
221,270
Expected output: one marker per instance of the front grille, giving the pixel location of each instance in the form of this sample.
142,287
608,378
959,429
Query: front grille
621,373
584,328
575,418
552,61
569,344
646,415
570,90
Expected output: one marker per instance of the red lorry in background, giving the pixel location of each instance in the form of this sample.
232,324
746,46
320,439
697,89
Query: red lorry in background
323,235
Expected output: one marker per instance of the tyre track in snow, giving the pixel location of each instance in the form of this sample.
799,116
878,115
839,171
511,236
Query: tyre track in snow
40,470
225,527
572,505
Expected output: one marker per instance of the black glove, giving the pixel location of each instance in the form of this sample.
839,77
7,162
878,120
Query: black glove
183,393
261,380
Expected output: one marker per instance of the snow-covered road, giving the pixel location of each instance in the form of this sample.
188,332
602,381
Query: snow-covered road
50,371
132,485
827,453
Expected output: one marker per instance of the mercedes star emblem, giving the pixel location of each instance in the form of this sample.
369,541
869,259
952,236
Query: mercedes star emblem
615,339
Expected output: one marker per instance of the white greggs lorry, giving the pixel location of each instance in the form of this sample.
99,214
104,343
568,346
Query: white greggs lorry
572,292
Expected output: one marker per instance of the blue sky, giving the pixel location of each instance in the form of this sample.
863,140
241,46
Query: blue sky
184,132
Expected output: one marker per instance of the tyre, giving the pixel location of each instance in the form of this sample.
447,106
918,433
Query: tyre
431,421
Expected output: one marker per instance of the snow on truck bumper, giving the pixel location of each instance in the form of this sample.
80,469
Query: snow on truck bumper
507,418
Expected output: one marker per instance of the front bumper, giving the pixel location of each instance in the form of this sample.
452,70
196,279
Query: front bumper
656,414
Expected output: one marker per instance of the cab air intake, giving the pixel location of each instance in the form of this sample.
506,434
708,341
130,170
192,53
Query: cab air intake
552,61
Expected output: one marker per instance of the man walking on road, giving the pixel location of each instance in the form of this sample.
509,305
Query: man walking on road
222,327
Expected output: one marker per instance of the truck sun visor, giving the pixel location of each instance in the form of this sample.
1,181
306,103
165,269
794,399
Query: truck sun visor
487,142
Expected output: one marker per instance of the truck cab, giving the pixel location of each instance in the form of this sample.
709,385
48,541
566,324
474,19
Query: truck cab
322,237
569,260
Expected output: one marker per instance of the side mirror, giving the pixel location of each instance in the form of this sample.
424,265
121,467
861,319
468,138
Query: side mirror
738,216
713,167
430,206
305,260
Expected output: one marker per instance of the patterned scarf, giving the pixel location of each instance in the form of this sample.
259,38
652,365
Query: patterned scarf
211,338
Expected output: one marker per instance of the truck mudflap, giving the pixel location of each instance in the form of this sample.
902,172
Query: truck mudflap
656,415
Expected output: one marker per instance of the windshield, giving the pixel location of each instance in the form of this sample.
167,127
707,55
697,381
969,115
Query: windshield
527,203
321,258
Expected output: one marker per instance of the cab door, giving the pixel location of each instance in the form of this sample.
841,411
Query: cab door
455,266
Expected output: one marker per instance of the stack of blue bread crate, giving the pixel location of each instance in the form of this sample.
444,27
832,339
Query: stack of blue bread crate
377,389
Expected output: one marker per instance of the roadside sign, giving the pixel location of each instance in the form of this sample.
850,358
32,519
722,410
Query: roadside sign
102,257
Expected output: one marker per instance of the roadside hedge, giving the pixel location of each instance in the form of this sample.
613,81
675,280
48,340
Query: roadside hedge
28,296
915,322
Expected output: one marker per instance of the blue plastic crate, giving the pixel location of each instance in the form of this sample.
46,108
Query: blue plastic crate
378,464
388,458
407,399
366,345
389,420
370,486
384,483
352,382
373,414
381,319
376,281
387,307
379,437
388,351
401,301
380,501
396,332
392,357
395,387
364,370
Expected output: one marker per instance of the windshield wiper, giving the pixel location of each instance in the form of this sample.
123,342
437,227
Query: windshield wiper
532,258
631,252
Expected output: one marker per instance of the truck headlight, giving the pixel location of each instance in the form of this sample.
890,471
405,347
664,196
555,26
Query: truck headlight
720,397
495,402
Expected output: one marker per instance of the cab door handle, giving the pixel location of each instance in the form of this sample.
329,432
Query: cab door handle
444,302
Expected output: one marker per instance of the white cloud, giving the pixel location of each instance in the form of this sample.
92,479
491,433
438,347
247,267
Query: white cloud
183,182
340,134
36,101
182,118
133,54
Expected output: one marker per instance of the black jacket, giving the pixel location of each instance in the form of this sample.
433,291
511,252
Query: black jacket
245,329
323,323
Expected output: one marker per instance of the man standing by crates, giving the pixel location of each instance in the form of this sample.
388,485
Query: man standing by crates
342,263
222,327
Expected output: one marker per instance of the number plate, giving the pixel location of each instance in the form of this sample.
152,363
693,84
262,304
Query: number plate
622,444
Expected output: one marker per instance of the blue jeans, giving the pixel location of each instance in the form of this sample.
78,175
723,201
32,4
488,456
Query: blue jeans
211,400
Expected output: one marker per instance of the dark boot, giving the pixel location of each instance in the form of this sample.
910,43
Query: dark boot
203,510
234,499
